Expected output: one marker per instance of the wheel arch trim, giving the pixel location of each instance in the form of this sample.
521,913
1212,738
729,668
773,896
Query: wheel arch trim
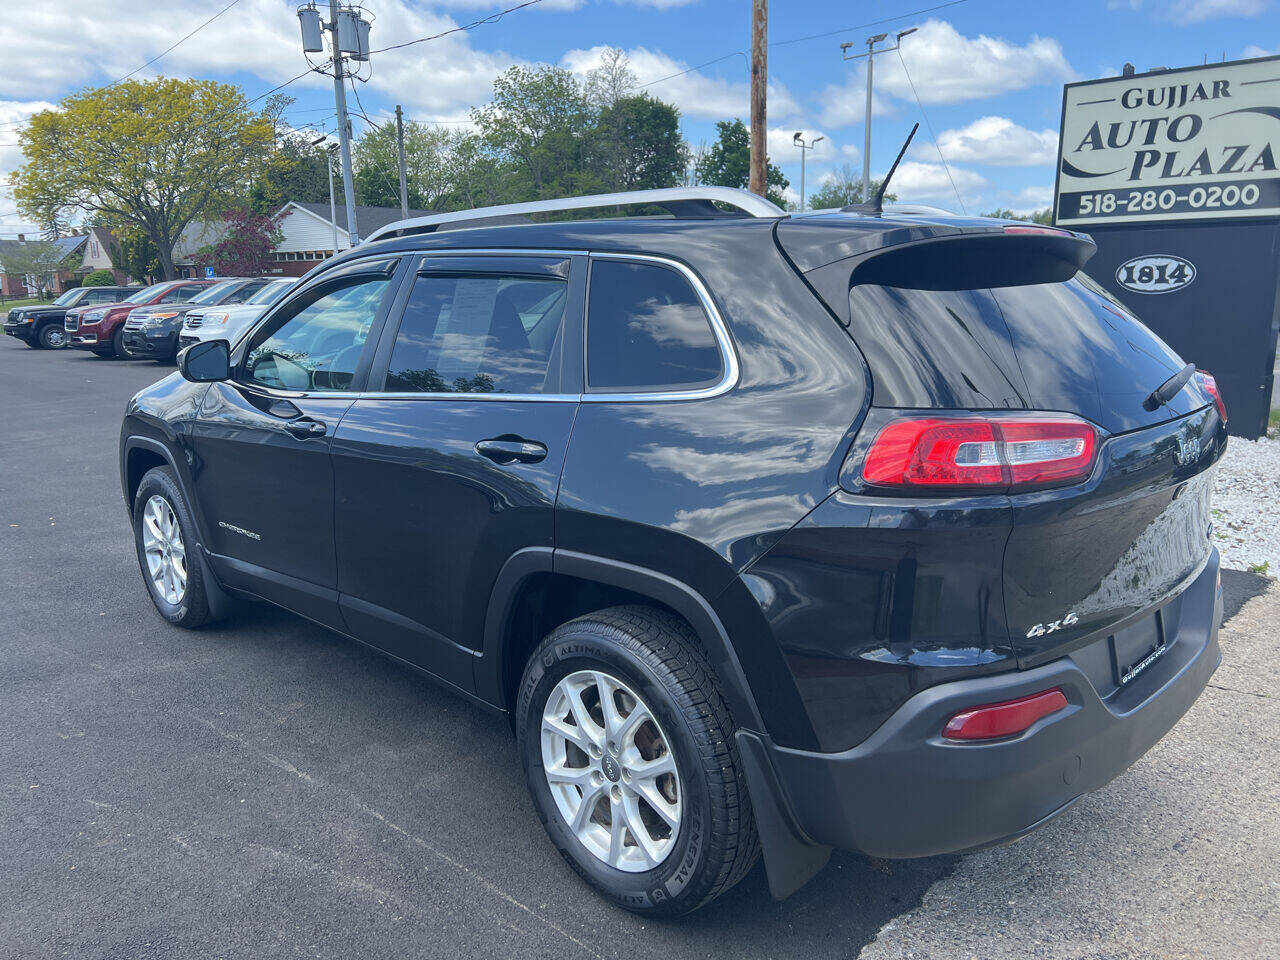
657,586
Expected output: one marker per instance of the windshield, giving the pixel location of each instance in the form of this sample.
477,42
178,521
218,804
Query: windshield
67,297
146,293
216,292
271,292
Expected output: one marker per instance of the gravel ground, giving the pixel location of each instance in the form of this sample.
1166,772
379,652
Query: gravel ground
1246,506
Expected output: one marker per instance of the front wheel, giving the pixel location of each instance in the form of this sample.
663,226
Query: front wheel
164,536
52,336
118,346
627,746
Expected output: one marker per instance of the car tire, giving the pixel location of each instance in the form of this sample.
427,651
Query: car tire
650,660
118,347
165,539
52,336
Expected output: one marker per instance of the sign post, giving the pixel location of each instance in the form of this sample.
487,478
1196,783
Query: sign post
1176,174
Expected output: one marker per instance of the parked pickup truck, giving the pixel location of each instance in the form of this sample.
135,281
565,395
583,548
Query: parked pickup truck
41,325
100,328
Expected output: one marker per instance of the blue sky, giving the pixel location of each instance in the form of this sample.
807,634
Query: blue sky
989,72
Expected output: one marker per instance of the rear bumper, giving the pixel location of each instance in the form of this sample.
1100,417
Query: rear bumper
907,792
143,344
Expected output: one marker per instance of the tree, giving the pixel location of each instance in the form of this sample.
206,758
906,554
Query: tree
157,155
610,81
296,171
132,252
99,278
37,262
246,249
727,162
843,187
539,125
638,144
1044,216
428,166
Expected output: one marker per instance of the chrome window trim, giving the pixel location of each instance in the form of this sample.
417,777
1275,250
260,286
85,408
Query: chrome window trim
729,356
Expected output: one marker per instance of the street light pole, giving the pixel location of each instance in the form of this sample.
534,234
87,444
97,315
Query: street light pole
798,140
871,65
333,207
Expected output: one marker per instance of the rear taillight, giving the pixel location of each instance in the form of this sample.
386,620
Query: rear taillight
995,720
1205,379
981,452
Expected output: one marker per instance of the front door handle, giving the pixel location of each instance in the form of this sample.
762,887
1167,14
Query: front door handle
305,427
508,449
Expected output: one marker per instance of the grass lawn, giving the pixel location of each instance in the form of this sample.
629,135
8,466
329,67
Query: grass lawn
10,304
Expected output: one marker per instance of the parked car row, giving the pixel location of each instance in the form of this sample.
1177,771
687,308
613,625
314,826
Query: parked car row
132,322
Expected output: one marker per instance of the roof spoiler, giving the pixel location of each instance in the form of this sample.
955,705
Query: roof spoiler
1013,256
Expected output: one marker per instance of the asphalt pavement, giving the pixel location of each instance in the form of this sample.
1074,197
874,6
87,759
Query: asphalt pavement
265,788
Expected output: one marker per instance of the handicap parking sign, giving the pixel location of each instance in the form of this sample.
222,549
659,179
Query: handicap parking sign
208,273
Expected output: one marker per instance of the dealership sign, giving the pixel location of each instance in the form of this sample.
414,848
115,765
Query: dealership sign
1155,274
1195,144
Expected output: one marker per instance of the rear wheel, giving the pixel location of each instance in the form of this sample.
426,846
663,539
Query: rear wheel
118,346
52,336
164,536
627,746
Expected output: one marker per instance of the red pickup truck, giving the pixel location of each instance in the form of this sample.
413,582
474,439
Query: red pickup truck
99,328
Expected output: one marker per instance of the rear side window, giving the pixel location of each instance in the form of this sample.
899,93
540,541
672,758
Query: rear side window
647,330
478,333
183,293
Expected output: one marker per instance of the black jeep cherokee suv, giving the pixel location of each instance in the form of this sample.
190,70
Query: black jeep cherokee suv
880,532
41,325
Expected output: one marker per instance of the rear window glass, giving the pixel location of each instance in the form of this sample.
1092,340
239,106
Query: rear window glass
647,330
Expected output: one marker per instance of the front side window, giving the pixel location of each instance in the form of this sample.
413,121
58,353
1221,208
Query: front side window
478,333
647,330
318,346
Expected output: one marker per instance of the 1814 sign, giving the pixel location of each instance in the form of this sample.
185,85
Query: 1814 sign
1199,143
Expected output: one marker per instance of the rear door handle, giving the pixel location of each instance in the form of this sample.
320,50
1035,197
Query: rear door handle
505,450
305,427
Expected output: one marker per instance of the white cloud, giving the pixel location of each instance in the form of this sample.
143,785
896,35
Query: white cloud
697,95
1198,11
999,141
928,181
948,67
1253,50
845,104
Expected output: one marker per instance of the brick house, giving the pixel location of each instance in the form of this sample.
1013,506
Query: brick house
68,274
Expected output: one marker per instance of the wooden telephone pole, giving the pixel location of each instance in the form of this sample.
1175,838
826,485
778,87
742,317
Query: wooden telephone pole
759,85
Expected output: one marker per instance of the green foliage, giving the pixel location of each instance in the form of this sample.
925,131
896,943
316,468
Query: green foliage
727,163
638,144
99,278
132,252
294,171
1044,216
430,173
842,188
38,261
155,154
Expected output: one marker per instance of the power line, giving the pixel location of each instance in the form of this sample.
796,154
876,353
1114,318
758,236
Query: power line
175,45
936,146
491,18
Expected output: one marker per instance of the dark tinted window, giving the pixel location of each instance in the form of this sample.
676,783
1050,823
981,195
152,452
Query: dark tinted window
244,292
102,296
478,333
647,330
183,292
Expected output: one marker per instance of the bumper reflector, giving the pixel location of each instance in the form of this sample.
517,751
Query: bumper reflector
995,720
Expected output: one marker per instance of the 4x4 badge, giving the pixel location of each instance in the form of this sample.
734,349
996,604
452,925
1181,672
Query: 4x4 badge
1040,629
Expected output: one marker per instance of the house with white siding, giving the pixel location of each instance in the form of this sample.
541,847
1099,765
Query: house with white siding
308,233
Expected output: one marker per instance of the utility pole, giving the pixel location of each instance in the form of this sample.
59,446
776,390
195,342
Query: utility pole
348,34
344,125
871,64
758,180
798,140
404,186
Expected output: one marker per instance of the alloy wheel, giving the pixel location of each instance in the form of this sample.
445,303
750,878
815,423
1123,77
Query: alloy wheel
165,551
611,771
53,337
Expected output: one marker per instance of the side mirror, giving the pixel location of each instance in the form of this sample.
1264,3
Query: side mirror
206,361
